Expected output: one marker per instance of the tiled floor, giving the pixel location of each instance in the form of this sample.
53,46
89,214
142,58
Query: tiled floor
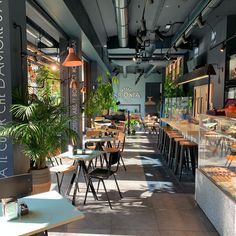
154,203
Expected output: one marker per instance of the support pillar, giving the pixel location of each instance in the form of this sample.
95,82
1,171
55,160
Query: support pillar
13,73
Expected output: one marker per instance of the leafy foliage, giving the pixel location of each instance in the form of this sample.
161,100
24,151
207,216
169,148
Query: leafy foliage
103,98
48,82
169,87
42,127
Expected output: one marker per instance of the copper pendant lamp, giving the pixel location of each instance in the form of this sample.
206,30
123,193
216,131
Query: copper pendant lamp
83,89
72,60
73,84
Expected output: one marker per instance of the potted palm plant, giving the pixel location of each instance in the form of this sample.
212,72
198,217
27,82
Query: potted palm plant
41,127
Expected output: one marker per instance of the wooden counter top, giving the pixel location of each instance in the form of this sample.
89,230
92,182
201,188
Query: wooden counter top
183,126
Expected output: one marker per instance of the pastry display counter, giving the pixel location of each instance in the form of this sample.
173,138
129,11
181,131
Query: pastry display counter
216,174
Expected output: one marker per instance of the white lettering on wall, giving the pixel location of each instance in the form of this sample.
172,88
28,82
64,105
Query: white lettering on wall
3,100
128,93
2,172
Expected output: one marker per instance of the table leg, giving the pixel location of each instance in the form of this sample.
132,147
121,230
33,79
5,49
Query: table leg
72,180
90,184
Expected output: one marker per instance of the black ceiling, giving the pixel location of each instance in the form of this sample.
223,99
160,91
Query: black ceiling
158,14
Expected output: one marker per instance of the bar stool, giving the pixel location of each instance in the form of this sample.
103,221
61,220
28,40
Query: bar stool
172,136
166,145
164,140
176,153
187,147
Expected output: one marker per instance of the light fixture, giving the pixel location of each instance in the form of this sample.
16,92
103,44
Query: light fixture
200,22
222,49
149,102
73,84
83,89
54,67
184,40
72,60
168,26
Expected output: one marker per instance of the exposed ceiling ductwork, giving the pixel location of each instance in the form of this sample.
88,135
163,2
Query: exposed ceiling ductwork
121,9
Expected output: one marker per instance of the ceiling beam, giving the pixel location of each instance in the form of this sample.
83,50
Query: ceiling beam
42,12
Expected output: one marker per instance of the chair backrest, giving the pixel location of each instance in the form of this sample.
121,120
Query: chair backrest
16,186
92,133
114,159
121,141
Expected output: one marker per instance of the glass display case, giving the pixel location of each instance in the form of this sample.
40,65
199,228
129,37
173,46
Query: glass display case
217,152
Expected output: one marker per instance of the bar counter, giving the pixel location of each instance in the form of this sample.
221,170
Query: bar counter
189,130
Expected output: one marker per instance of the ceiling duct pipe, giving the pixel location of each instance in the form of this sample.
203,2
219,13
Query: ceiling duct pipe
201,10
121,9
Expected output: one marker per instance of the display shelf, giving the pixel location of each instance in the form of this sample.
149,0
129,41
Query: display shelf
216,175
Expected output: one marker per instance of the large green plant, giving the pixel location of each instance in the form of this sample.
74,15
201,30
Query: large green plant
48,82
42,127
102,99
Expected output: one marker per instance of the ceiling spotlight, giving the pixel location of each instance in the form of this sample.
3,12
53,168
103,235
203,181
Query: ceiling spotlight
222,49
200,22
184,40
168,26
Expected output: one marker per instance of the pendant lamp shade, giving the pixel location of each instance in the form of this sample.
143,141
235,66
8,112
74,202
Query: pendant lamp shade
73,84
149,102
72,60
83,89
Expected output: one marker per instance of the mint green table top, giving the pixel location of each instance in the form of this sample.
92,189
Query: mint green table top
87,156
46,210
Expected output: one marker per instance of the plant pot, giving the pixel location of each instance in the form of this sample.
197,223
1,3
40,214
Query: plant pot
41,180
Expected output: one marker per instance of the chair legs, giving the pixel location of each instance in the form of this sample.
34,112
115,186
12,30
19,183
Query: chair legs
87,189
106,193
122,162
59,182
117,186
101,180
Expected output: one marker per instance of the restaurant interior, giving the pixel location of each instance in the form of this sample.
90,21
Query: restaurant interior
118,117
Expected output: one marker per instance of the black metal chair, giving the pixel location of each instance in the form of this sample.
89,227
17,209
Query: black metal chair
102,174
